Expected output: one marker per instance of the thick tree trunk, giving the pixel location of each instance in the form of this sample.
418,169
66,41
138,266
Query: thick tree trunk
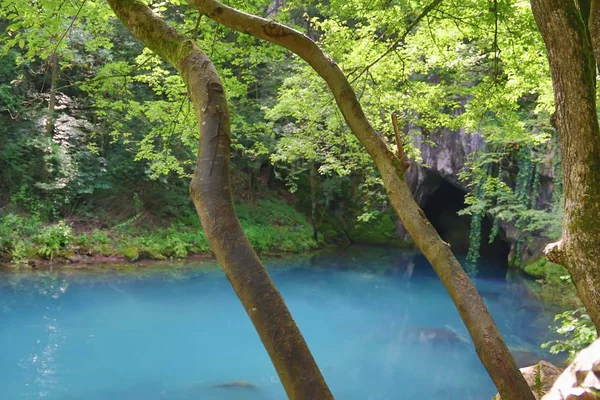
487,339
573,69
211,193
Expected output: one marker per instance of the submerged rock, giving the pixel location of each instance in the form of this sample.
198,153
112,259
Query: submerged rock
434,335
525,358
540,378
235,385
489,295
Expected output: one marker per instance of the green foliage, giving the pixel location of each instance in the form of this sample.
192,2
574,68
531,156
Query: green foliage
96,242
271,225
51,239
577,329
9,100
274,225
538,385
125,133
13,232
377,228
556,284
512,198
131,253
542,268
21,252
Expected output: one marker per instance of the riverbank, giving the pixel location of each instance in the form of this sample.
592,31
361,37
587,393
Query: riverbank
271,225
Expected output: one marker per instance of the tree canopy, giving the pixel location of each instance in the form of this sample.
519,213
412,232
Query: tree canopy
315,118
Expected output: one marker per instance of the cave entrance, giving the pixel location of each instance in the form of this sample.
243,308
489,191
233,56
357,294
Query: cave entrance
441,208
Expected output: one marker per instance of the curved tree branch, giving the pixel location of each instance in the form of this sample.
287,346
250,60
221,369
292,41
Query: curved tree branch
489,344
211,193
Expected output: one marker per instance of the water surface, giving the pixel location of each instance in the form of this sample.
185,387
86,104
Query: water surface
378,321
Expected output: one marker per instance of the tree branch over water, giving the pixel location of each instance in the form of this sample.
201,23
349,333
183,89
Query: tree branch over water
211,192
488,341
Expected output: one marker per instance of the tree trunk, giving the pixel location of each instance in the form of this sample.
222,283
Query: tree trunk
312,177
489,344
211,192
54,74
573,68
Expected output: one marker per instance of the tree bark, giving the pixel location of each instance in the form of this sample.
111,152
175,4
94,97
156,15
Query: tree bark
594,26
54,74
211,192
573,68
312,177
489,344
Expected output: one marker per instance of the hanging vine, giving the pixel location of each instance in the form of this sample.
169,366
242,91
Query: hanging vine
493,196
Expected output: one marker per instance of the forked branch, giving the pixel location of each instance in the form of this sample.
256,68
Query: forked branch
405,164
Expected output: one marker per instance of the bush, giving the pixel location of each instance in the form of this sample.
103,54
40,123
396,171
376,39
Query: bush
273,225
375,228
131,253
52,239
15,230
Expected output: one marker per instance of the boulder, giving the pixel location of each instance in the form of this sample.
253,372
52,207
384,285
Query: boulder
581,379
540,378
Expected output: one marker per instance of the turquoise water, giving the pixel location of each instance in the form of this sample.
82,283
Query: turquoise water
377,330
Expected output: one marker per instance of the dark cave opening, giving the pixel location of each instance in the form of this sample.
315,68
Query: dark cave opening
442,207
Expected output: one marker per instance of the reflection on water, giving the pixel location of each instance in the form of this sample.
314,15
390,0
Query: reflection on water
39,367
378,321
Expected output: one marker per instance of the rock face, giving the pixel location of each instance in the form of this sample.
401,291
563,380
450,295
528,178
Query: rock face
434,183
444,152
540,378
581,380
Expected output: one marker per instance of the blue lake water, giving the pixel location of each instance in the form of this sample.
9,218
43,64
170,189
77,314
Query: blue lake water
371,316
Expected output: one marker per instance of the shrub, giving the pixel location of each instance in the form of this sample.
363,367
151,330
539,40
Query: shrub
53,238
376,228
14,233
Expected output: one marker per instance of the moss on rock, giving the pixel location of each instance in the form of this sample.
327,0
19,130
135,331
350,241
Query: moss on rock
544,269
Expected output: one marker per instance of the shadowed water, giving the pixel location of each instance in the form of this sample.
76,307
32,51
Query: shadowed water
378,321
